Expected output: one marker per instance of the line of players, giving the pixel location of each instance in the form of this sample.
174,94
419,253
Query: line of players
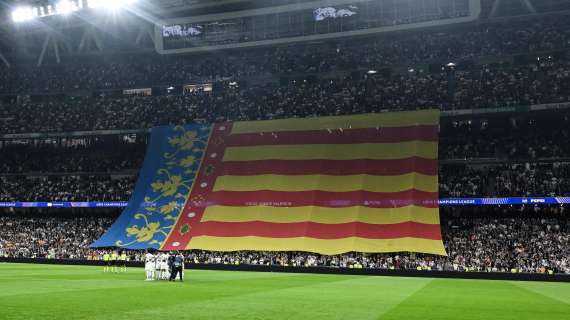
164,266
115,262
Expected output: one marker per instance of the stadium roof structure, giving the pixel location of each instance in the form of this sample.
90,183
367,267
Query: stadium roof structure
137,28
86,32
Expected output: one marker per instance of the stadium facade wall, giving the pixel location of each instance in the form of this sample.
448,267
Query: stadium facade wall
325,270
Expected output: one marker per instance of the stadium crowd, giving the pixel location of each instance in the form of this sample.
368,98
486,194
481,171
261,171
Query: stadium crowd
66,188
480,87
487,39
536,241
482,243
69,176
506,180
93,157
107,171
525,180
537,137
50,237
530,159
528,239
530,139
455,181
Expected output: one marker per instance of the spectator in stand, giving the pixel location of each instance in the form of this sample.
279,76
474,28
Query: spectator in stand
66,188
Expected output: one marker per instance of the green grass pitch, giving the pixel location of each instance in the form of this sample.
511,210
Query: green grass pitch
80,292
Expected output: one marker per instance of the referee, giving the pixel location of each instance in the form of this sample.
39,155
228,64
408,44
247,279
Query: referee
177,267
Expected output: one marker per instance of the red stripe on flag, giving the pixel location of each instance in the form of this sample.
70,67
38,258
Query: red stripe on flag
317,230
336,136
323,199
330,167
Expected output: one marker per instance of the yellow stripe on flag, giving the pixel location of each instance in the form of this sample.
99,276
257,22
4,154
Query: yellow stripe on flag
322,214
327,247
373,183
375,151
372,120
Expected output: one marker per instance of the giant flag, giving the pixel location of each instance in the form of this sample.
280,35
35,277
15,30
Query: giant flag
329,185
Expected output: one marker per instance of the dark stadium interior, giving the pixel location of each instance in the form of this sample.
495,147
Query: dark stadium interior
77,105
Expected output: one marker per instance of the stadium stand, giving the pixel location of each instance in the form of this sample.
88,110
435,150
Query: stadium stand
65,235
94,156
482,87
66,188
525,158
480,66
529,239
456,181
500,40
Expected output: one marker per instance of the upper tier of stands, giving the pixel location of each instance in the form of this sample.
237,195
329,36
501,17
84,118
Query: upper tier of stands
497,64
488,86
471,43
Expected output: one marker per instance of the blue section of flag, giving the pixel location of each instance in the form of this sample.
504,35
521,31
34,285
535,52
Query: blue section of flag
170,165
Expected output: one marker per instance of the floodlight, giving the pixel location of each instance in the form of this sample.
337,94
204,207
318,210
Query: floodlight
23,14
66,7
112,5
42,11
95,4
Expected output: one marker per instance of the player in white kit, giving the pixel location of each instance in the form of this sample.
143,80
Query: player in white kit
149,266
158,266
165,273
